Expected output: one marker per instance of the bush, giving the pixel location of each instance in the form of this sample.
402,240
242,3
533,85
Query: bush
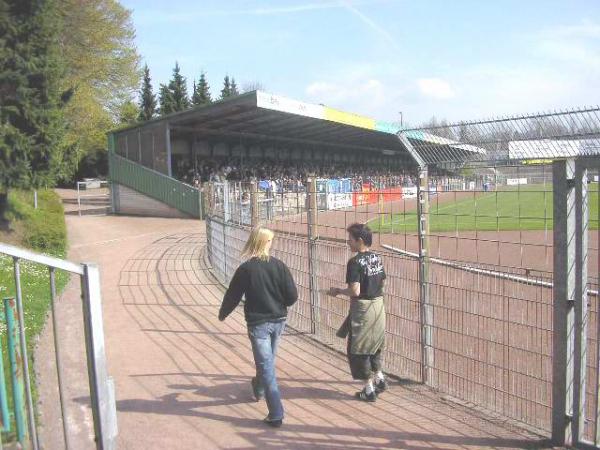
41,229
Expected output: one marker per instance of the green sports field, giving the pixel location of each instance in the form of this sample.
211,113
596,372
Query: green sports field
527,207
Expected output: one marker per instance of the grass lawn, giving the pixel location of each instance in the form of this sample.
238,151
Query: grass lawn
527,207
42,230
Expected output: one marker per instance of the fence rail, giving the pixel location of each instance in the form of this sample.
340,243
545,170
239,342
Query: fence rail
100,384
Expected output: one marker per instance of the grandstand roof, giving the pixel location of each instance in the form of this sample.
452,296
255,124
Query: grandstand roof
261,116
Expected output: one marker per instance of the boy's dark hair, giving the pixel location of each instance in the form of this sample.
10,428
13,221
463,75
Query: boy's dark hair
361,231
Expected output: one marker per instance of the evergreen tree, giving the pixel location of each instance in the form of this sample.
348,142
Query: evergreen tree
178,89
194,93
165,98
32,125
226,91
201,92
147,98
233,88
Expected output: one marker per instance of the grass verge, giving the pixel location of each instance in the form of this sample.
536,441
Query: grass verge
42,230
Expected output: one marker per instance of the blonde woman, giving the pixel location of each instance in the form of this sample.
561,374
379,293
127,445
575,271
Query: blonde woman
269,288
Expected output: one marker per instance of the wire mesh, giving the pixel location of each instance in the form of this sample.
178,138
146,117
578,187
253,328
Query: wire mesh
492,341
539,136
485,202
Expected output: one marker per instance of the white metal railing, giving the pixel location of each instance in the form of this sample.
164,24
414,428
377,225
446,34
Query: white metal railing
101,385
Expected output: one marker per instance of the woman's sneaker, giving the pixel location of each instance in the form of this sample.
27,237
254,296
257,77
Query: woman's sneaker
380,386
276,423
366,397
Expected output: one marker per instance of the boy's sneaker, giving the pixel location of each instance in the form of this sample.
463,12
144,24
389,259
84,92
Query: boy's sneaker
258,393
380,386
362,395
276,423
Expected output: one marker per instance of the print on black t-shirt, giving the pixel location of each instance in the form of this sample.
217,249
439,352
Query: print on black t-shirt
367,269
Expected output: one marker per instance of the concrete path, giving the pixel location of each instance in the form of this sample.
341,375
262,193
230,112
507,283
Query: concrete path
183,378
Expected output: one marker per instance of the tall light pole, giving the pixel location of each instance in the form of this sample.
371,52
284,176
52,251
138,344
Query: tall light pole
401,122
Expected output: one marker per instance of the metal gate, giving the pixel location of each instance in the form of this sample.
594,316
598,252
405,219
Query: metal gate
101,387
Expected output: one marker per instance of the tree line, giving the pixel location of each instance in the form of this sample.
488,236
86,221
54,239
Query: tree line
69,73
173,96
67,68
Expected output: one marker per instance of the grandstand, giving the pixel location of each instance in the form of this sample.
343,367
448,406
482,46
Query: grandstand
257,137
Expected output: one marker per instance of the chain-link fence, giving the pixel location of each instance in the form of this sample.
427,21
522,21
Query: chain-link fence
491,251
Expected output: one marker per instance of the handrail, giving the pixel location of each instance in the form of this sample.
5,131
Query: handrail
57,263
155,185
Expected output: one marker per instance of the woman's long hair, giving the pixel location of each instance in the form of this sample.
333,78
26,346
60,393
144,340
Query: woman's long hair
257,245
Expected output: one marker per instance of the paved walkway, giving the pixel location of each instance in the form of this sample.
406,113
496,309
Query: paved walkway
182,377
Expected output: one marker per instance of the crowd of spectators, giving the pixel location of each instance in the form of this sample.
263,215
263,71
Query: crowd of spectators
293,175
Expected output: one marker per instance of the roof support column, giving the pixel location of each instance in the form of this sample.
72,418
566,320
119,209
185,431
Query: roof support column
426,308
168,144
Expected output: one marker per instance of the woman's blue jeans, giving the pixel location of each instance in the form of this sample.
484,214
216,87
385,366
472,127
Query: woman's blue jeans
265,339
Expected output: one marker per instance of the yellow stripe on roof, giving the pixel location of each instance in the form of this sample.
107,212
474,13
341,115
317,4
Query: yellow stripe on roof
355,120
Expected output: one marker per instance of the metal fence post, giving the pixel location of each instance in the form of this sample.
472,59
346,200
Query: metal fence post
226,208
58,359
15,358
24,355
564,300
3,396
101,388
254,212
426,310
200,202
313,235
581,300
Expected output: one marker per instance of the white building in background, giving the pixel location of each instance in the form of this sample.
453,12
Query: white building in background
553,148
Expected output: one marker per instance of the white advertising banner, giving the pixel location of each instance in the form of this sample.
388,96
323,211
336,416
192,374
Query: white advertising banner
339,201
288,105
515,181
409,192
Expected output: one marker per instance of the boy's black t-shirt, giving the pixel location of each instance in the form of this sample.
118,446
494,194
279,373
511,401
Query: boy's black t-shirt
366,268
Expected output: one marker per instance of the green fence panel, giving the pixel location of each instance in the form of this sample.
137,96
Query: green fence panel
154,184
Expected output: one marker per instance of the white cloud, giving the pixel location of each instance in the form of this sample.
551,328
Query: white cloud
562,70
365,89
575,44
435,88
369,91
586,29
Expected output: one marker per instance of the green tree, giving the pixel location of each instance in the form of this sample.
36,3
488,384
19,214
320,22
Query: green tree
226,91
178,89
201,91
233,88
147,97
165,99
32,149
129,113
253,86
102,69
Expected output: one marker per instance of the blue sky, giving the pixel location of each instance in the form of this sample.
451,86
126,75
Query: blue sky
461,59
